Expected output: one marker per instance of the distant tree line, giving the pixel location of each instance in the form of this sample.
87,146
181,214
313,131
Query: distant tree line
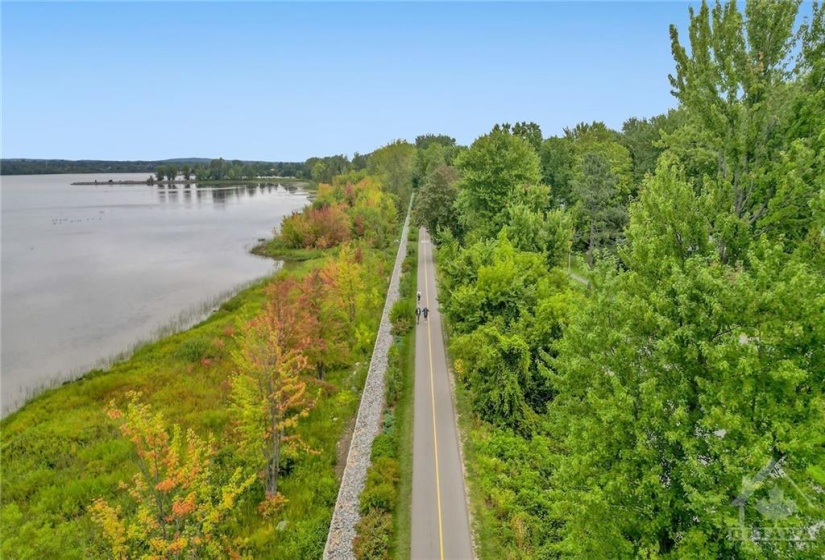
221,169
213,169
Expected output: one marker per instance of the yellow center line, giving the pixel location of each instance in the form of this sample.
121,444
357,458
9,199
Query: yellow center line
432,395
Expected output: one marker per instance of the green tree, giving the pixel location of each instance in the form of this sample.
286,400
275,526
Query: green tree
497,367
171,172
642,137
395,165
491,169
677,380
746,127
598,203
557,163
359,161
426,140
435,201
548,233
531,132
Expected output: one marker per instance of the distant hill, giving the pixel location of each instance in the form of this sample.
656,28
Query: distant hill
22,166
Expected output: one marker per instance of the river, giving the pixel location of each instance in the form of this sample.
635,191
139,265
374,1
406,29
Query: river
88,272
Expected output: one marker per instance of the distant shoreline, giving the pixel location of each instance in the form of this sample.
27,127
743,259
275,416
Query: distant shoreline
270,180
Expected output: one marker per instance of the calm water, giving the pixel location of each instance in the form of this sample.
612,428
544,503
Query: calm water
89,271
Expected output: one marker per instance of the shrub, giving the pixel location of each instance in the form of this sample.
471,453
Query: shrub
196,349
384,470
381,497
316,228
402,316
374,531
395,382
384,446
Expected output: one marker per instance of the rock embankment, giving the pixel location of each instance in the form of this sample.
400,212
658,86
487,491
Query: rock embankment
367,426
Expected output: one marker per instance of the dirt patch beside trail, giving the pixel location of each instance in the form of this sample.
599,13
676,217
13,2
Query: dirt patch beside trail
343,448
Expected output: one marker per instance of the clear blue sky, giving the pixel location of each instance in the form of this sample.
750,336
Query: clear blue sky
277,81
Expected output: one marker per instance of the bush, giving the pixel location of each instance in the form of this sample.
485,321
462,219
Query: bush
384,470
409,263
196,349
402,316
395,382
381,497
374,531
383,446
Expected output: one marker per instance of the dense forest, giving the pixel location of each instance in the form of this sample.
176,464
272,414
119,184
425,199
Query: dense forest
673,404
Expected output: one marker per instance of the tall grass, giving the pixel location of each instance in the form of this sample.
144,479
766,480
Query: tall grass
184,320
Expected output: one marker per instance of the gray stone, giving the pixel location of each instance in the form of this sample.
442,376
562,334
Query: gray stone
367,425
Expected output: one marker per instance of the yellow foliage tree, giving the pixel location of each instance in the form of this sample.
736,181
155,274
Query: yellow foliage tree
179,509
269,397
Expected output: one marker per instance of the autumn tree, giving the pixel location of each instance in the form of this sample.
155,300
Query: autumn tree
325,323
178,508
269,397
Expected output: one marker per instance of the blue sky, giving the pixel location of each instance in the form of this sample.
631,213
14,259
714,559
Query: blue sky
279,81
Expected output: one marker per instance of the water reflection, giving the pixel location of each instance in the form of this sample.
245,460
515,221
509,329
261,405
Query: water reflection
88,271
217,195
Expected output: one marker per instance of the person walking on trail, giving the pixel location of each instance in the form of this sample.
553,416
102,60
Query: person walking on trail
425,312
419,295
417,314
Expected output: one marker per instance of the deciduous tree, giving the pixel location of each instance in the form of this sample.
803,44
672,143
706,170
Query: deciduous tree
179,507
491,170
268,396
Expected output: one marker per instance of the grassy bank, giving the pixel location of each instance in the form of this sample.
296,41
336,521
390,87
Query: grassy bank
61,452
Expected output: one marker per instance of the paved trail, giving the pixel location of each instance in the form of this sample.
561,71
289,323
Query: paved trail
440,524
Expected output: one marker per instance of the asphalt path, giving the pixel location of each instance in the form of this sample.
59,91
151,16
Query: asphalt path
440,524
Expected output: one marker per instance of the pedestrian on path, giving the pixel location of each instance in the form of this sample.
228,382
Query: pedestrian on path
419,296
425,312
417,314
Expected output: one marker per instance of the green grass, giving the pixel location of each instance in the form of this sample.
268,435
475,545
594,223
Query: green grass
276,249
59,452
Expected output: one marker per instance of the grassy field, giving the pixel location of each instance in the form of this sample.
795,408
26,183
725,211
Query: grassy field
60,451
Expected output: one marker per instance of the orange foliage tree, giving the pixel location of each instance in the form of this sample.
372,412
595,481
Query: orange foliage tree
179,509
316,227
326,325
269,396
